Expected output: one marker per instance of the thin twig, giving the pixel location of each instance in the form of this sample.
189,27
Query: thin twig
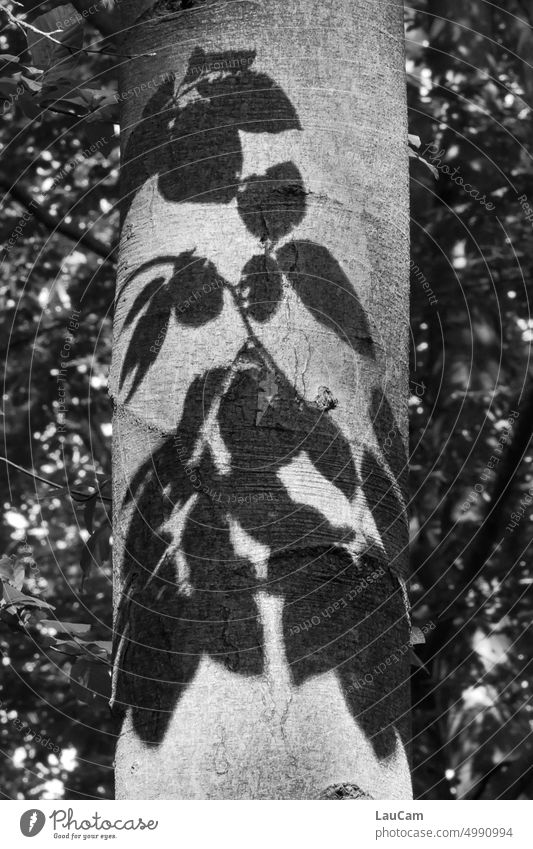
50,35
120,55
25,25
83,495
58,225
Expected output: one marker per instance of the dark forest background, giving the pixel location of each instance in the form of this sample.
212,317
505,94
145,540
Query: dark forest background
470,89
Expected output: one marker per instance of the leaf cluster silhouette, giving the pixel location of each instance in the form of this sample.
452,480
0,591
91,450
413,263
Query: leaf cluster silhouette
195,596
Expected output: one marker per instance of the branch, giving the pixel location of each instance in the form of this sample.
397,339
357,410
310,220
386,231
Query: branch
82,496
69,230
107,22
480,547
25,26
23,339
477,551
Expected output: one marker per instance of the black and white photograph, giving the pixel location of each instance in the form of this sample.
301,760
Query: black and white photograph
266,460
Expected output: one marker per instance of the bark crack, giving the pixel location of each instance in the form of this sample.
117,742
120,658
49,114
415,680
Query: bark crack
164,9
124,411
344,791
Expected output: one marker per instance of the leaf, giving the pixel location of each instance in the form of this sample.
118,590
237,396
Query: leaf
81,100
414,155
260,287
193,293
40,47
253,101
75,105
216,611
91,96
149,333
87,557
91,681
322,285
30,107
272,204
416,661
389,439
387,507
7,86
96,550
93,650
33,85
8,57
13,598
414,140
107,112
74,629
6,567
143,299
56,60
104,543
201,160
88,513
417,636
19,573
196,289
61,87
101,648
68,647
66,96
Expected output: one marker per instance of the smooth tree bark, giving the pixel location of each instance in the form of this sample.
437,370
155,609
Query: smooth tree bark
259,382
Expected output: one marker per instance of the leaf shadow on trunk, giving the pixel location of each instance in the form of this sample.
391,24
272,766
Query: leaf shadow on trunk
192,593
189,135
212,499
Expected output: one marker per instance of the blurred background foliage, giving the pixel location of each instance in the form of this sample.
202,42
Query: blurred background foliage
470,86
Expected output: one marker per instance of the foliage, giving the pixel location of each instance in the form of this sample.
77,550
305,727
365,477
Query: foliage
469,86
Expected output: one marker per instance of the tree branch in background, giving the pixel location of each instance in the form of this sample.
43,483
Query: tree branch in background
480,547
55,224
18,341
475,557
478,552
77,494
24,25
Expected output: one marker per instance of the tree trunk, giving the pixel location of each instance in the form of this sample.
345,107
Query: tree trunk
259,382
